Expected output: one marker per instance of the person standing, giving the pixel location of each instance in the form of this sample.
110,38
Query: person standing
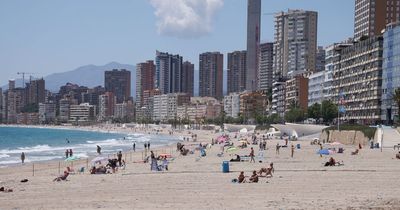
292,153
148,145
252,155
70,152
22,157
66,153
134,146
277,148
145,146
98,150
119,156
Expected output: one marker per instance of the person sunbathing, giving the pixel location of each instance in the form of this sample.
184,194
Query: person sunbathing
62,178
236,160
355,152
331,162
268,171
254,177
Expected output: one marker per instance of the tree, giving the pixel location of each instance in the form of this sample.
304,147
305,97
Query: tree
329,111
396,97
295,115
314,111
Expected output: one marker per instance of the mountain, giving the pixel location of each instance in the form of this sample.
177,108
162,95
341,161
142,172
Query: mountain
89,75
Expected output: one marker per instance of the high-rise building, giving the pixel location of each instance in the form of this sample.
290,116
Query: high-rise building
253,43
358,81
36,91
232,105
168,77
320,59
316,88
11,84
278,98
144,80
211,74
295,43
119,83
47,113
390,72
372,16
16,101
188,78
237,71
107,103
266,65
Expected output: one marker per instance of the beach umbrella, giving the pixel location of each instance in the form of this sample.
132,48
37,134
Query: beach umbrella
72,159
99,159
232,149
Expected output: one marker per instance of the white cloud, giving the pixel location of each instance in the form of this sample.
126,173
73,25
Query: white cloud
185,18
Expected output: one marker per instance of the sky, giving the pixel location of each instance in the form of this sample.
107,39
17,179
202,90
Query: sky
50,36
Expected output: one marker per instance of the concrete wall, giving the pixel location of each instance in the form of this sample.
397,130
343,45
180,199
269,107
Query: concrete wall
345,137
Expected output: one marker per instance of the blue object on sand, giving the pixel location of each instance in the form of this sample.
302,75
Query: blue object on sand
323,152
225,166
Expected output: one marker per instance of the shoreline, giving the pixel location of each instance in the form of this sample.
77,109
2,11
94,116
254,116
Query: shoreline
94,129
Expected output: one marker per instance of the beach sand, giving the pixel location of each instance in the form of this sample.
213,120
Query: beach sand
369,180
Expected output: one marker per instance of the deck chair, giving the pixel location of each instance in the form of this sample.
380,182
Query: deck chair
260,156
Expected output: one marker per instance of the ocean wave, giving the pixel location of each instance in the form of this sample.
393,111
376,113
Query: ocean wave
4,156
34,149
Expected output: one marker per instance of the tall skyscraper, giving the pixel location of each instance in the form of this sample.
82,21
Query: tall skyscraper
36,91
106,106
119,83
266,64
253,42
237,71
168,73
144,80
188,78
372,16
211,74
295,43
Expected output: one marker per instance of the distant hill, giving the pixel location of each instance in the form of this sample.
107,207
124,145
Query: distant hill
89,75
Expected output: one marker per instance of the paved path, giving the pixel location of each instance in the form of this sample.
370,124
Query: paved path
390,136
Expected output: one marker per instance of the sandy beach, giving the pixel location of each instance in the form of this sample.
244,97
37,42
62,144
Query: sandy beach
368,180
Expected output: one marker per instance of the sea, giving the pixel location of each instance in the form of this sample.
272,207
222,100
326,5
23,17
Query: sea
43,144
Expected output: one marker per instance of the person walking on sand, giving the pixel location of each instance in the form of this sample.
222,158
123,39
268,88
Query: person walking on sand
252,155
134,146
292,150
145,146
148,145
22,157
320,147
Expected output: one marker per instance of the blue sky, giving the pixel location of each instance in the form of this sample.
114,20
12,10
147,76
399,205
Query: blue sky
49,36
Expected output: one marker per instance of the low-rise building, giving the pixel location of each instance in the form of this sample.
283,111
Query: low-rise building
27,118
82,114
297,93
253,104
165,106
106,106
125,111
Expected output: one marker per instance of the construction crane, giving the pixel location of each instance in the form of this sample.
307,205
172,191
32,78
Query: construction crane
23,76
